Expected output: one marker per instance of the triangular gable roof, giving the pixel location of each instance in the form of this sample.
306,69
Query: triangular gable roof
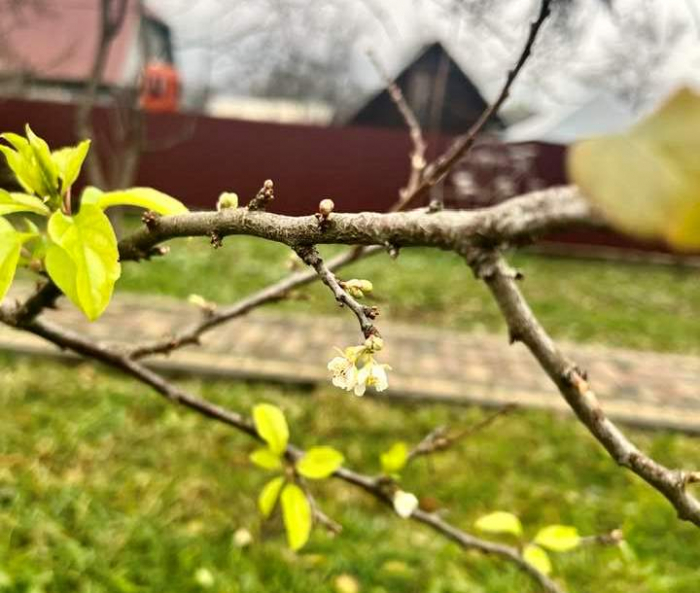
467,105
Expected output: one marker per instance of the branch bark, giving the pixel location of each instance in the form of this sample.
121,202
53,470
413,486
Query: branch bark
574,387
310,256
516,221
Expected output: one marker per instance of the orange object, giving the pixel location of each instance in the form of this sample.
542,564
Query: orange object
160,87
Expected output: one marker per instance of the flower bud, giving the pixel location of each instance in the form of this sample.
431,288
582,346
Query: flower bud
325,207
374,343
227,200
357,288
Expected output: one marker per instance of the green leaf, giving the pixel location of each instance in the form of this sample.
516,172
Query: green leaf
11,202
266,459
21,164
268,496
646,181
83,260
44,164
537,557
31,163
395,459
19,143
319,462
91,195
296,513
69,161
500,522
271,426
142,197
558,538
10,246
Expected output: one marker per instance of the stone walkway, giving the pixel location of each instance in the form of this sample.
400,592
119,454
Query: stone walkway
642,388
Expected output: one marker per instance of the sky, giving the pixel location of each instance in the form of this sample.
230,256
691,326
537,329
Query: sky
653,45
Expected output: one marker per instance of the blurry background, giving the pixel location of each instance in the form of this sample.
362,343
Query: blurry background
104,488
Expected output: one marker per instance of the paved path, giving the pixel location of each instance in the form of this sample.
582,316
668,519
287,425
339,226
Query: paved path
651,389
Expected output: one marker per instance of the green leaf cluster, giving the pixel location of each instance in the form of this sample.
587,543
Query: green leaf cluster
317,463
79,250
555,538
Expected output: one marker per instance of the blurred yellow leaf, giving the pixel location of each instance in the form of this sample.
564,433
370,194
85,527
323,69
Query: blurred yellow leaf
558,538
500,522
537,557
646,181
346,583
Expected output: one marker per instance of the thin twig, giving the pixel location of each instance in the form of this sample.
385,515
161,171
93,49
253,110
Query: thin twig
417,156
270,294
365,315
437,170
611,538
439,439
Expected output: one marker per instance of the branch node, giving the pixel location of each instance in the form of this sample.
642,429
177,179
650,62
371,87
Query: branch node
435,206
392,250
216,240
264,196
150,219
324,214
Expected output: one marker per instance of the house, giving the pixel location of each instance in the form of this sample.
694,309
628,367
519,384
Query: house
443,98
48,49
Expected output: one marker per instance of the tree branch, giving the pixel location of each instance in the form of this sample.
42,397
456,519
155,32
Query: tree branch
109,27
440,439
310,256
69,340
417,156
270,294
514,221
573,385
437,170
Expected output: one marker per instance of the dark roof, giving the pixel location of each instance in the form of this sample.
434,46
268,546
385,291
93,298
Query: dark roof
441,95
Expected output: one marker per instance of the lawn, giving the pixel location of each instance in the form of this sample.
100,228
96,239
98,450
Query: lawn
105,487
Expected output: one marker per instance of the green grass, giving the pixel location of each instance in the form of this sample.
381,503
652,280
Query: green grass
639,306
106,487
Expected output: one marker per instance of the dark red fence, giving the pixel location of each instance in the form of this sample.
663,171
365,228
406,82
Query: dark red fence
359,168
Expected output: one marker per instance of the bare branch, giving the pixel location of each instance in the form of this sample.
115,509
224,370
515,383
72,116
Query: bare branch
111,20
514,221
440,439
437,170
270,294
573,385
417,156
311,257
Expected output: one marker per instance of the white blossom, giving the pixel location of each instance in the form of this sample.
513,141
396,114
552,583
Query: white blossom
356,369
242,538
372,374
405,503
